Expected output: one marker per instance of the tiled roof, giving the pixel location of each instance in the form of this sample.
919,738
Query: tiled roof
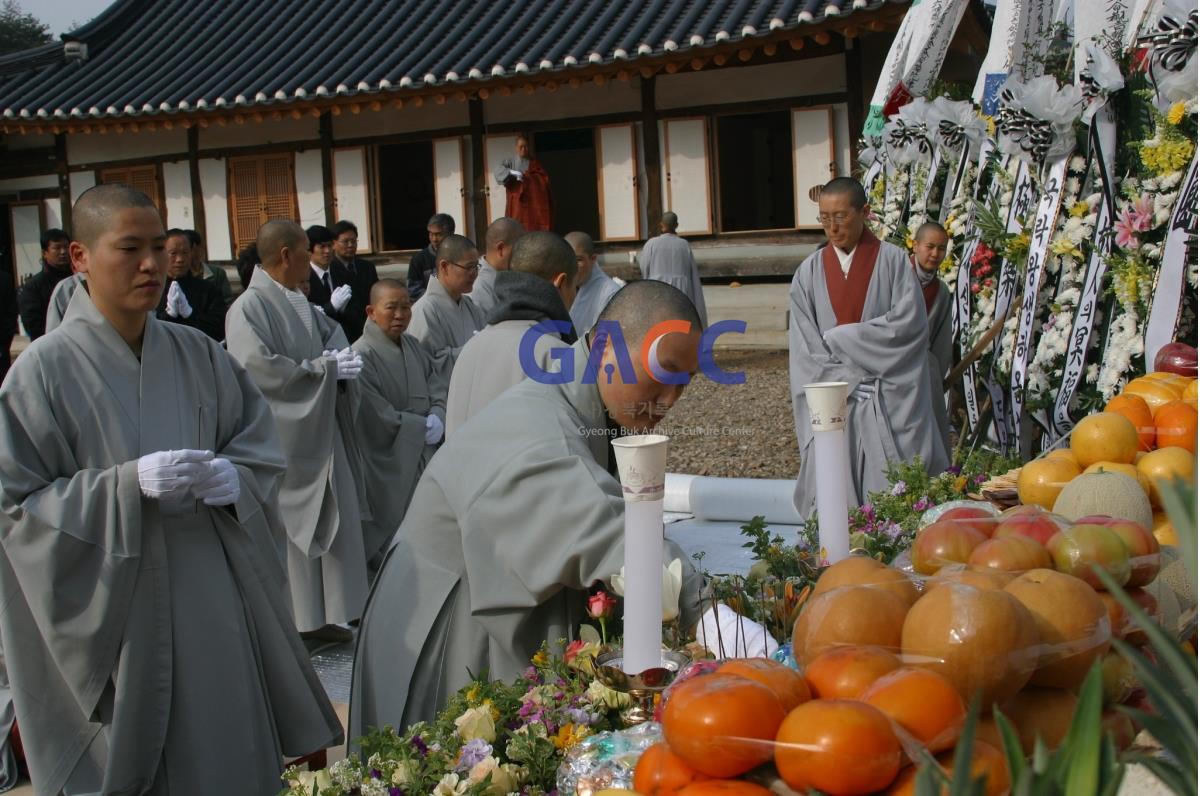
147,58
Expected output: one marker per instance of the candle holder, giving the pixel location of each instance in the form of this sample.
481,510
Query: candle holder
640,687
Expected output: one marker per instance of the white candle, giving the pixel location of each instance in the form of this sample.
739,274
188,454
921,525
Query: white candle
642,464
827,415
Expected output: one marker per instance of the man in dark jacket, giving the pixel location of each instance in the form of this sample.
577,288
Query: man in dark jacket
351,270
424,262
34,297
189,299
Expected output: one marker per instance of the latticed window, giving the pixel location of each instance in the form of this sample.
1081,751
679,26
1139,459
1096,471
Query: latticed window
144,178
260,188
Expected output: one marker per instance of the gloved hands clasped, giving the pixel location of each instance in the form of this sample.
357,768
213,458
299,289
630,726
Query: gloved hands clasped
349,363
177,303
340,297
865,391
434,430
182,475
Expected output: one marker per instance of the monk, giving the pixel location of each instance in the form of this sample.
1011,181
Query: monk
513,519
527,188
595,286
668,258
539,286
929,251
857,316
403,413
499,239
445,318
190,299
301,361
146,628
61,298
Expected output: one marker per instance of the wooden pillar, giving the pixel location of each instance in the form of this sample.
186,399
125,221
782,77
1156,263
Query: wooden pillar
64,182
652,155
479,175
199,220
325,133
856,101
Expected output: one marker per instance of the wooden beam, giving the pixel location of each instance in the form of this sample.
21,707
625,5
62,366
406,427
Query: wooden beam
325,133
199,220
651,154
478,170
856,100
64,180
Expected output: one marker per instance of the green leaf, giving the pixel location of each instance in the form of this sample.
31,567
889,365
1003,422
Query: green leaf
1083,739
1018,766
1179,501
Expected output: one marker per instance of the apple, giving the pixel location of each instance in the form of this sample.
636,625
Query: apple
1117,677
1037,525
1076,549
944,542
1148,603
1145,557
981,520
1120,727
1010,554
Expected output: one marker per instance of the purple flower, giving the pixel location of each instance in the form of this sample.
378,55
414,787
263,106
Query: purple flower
579,716
899,488
419,745
979,479
868,511
892,530
922,503
376,774
472,752
954,468
394,791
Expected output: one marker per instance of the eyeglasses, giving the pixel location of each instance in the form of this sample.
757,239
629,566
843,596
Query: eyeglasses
471,266
348,241
836,218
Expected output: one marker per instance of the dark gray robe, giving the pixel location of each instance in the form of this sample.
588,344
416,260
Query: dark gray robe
668,258
941,353
444,325
149,649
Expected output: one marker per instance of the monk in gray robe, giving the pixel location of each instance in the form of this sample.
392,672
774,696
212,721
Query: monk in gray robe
595,286
668,258
539,287
60,298
501,236
445,318
929,251
513,520
301,361
403,413
146,629
857,316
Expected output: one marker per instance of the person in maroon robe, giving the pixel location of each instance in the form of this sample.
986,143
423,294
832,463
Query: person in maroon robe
527,188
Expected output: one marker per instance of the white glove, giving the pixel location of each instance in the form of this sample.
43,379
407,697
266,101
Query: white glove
177,303
865,391
340,297
220,485
168,475
434,429
349,364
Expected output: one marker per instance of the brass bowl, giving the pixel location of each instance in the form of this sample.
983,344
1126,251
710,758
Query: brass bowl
642,686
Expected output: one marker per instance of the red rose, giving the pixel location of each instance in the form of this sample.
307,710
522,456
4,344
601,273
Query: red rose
600,605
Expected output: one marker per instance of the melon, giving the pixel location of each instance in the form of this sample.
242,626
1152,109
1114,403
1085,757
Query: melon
984,641
1108,493
859,615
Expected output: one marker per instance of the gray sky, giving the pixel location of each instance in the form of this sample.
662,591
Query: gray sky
59,14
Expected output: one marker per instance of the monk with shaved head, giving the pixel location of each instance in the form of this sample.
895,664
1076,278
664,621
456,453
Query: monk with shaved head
445,318
403,411
301,361
498,241
516,516
146,628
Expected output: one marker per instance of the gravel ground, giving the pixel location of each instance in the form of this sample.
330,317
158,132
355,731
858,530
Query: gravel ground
743,430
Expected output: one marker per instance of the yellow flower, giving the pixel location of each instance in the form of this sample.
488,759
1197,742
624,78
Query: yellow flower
960,483
568,735
473,694
991,126
909,242
1079,209
1167,157
541,658
1176,113
1063,247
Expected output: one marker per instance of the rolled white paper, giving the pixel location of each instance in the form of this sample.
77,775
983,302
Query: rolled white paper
642,464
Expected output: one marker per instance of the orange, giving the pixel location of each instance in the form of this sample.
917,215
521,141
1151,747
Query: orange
986,761
787,684
1134,407
1155,375
661,772
838,746
717,723
845,672
1166,464
724,787
1062,453
1155,392
1040,481
1190,390
1104,437
1175,425
921,701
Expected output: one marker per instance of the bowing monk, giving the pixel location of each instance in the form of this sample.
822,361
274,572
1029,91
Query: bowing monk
403,411
302,363
857,316
145,626
516,516
527,188
929,251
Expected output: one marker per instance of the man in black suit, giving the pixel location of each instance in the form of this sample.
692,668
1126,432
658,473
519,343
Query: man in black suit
34,297
326,289
424,262
351,270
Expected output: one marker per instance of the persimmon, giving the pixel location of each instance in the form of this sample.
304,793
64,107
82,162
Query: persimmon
1138,411
661,772
839,746
845,672
717,723
1175,426
923,702
787,683
724,787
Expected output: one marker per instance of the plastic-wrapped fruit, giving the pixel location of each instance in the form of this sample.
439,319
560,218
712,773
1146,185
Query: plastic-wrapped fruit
837,746
1178,358
1076,549
717,723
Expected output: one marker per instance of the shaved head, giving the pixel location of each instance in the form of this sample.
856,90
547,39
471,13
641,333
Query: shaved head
503,230
670,221
93,210
381,288
929,228
544,255
455,247
640,305
274,236
581,242
846,186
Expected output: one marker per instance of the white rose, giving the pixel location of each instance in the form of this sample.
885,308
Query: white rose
672,583
476,723
451,785
403,774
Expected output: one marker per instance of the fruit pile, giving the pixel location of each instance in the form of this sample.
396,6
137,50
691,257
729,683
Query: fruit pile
1009,615
1145,434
